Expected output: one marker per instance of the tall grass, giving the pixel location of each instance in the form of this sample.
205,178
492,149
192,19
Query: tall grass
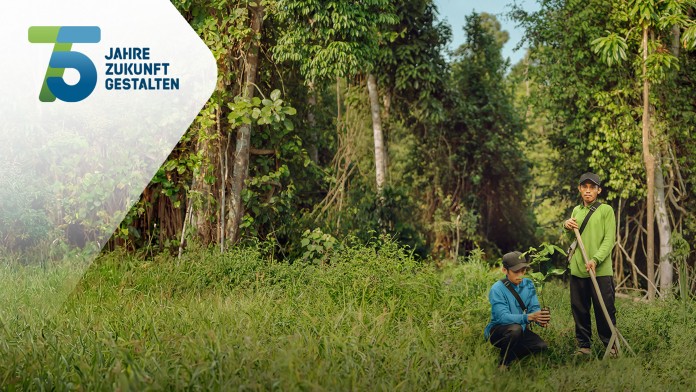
34,292
373,319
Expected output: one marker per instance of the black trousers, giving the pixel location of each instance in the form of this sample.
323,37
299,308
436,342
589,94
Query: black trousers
515,343
582,294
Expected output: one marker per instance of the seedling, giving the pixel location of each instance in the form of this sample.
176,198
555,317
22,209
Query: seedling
536,258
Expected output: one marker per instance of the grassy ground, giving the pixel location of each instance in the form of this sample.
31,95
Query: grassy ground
373,320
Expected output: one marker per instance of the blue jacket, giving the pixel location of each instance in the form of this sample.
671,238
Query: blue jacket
504,306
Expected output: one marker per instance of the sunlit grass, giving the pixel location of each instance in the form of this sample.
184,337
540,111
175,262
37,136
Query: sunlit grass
372,320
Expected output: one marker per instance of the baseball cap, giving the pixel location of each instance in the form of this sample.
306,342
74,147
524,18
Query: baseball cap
514,261
591,177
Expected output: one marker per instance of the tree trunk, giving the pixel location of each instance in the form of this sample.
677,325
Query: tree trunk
202,222
241,156
676,34
312,148
662,215
664,230
649,161
380,156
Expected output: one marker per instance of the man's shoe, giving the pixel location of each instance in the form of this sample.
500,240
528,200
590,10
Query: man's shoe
582,351
502,368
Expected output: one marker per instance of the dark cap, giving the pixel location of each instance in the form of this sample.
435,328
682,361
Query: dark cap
591,177
514,261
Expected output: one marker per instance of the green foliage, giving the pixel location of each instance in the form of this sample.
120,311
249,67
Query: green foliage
618,155
612,48
411,65
567,79
391,214
318,246
592,113
332,38
279,177
479,145
260,111
261,197
679,258
539,258
689,37
468,162
543,254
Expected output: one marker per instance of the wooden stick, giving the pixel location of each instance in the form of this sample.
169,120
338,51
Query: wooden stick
615,334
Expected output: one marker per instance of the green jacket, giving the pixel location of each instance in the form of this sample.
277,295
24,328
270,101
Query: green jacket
598,237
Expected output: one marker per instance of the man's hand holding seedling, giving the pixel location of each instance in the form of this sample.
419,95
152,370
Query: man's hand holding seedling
541,317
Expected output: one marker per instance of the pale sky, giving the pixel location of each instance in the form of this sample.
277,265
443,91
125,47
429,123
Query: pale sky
454,12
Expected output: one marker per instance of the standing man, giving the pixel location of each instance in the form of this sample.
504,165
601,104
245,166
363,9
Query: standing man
598,235
514,304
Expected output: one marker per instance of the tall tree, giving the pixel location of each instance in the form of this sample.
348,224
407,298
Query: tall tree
585,114
378,135
596,111
241,154
223,26
480,175
657,21
337,39
221,138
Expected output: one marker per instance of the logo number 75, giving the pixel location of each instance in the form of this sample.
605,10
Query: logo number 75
54,86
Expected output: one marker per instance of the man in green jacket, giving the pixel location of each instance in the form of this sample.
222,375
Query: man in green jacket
598,237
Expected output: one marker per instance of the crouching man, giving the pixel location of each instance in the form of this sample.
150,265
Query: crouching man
514,305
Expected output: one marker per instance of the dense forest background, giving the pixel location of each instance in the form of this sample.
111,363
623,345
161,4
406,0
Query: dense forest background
339,122
334,217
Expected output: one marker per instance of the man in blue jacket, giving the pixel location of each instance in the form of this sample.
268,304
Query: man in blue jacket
508,329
